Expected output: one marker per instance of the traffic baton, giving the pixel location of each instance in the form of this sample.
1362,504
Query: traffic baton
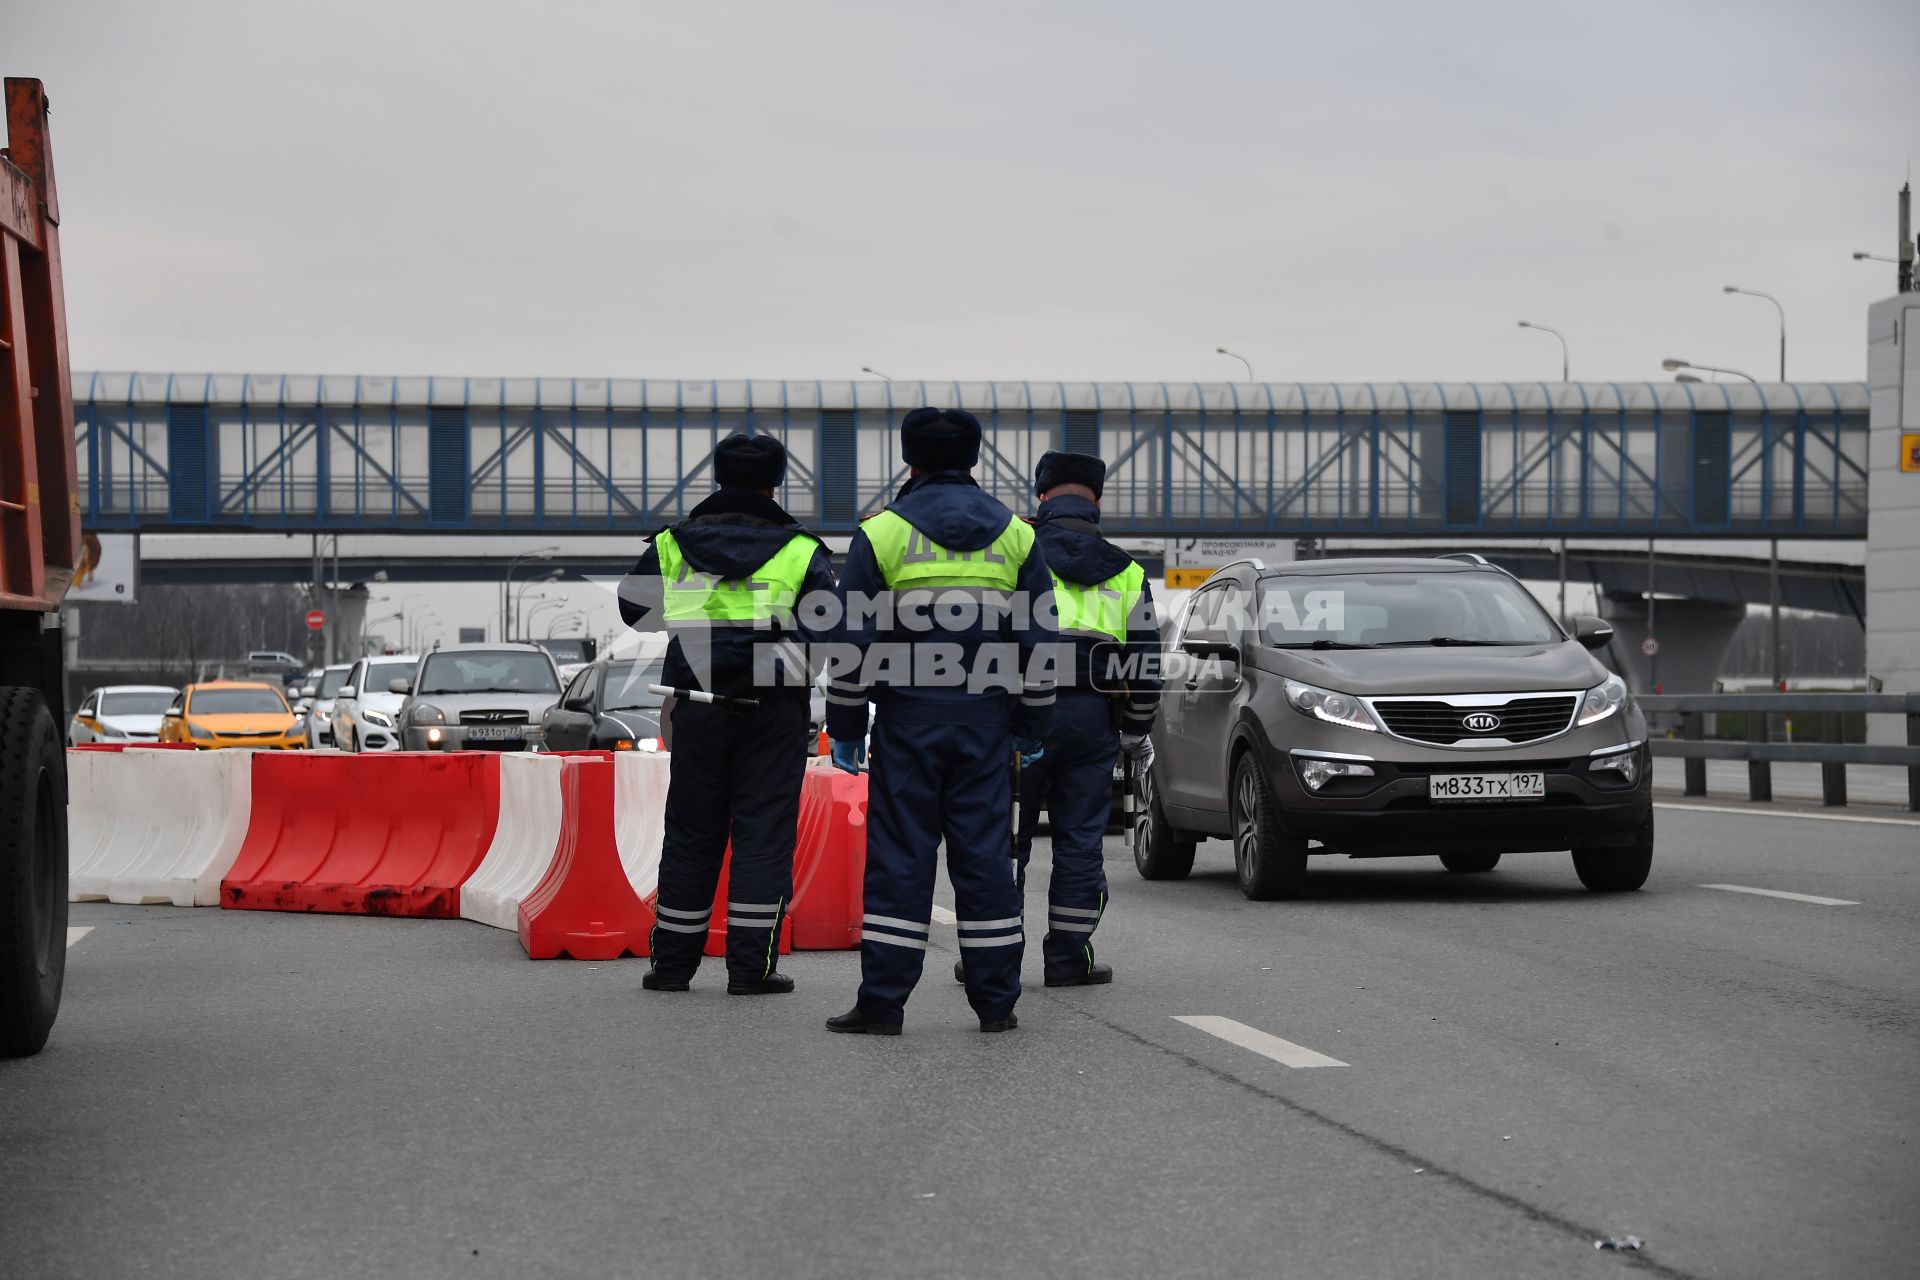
699,695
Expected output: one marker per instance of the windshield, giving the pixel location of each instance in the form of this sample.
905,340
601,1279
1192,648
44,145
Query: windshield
229,702
627,686
381,674
487,672
1379,610
135,704
331,680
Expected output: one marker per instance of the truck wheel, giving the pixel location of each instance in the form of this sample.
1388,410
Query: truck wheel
1270,863
33,872
1159,851
1468,863
1617,870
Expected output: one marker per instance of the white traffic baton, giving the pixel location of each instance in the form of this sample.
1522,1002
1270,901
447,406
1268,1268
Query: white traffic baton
699,695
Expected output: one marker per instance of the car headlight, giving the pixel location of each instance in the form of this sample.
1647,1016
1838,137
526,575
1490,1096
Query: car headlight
1335,708
1603,700
426,713
377,718
196,731
108,731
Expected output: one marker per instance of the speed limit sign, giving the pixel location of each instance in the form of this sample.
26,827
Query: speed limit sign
1649,646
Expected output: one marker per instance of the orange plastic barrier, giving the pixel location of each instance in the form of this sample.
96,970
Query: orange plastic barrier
389,834
829,861
585,907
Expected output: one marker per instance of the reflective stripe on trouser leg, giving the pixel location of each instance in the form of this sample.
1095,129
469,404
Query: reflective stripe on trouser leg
1084,750
986,900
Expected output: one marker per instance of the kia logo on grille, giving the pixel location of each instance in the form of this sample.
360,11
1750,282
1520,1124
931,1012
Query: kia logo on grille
1481,721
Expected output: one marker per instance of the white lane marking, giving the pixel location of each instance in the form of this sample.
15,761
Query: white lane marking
943,916
1781,893
76,933
1786,813
1282,1051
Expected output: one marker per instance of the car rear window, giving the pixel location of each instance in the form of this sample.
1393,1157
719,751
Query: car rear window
1394,609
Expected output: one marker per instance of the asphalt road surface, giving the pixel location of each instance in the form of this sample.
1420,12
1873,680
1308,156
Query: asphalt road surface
1523,1068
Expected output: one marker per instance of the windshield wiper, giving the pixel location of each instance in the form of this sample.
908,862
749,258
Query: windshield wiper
1437,641
1325,644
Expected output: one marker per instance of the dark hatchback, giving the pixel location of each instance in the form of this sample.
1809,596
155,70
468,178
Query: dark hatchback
1391,708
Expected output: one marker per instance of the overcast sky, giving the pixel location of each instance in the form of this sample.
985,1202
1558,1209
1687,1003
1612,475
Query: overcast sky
1045,191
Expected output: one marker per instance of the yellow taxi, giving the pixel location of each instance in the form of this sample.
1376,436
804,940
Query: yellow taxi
233,713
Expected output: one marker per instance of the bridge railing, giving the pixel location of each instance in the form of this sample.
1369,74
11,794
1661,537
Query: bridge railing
1761,753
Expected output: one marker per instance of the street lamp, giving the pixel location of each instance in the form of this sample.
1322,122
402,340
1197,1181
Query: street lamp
875,372
1528,324
1755,293
578,615
538,609
506,584
1237,356
1874,257
1671,364
520,596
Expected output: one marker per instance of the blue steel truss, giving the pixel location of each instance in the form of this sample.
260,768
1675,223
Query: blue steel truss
380,454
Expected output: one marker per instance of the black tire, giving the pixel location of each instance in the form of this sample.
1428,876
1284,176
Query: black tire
1469,863
1617,870
33,872
1160,852
1269,863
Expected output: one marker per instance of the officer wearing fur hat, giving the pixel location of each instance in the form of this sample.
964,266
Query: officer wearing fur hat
1105,608
726,582
954,659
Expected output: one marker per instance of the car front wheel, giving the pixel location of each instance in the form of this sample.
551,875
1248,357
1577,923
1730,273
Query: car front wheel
1617,870
1159,851
1269,863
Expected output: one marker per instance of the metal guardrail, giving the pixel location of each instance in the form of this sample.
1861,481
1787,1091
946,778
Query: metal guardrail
1761,754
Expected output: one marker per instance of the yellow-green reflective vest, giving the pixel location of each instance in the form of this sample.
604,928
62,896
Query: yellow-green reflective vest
1099,608
908,558
767,594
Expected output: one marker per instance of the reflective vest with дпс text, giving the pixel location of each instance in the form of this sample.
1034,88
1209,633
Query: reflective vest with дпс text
1100,608
768,594
908,558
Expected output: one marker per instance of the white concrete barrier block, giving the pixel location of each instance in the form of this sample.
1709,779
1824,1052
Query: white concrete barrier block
155,826
524,841
640,816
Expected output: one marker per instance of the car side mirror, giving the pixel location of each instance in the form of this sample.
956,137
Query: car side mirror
1592,632
344,691
1209,648
307,690
578,704
399,686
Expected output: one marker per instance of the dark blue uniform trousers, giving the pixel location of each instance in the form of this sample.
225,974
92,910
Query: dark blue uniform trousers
1074,779
931,781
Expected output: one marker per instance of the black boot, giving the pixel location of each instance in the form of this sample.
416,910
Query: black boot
959,971
773,984
1007,1023
654,982
854,1023
1095,975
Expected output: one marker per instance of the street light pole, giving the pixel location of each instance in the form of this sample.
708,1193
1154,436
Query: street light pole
1237,356
1755,293
1670,364
520,597
1565,362
506,583
876,373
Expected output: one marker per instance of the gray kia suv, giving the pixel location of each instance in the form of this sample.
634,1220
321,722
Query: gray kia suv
1391,708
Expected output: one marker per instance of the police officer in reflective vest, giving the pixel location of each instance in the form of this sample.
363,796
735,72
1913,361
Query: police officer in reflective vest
942,594
726,582
1105,608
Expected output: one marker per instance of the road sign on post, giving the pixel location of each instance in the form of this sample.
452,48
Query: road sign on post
316,620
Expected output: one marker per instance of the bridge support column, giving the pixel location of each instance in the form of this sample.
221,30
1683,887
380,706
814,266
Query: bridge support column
1893,505
1693,635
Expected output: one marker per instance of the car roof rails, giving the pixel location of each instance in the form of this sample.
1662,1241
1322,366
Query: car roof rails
1259,565
1471,557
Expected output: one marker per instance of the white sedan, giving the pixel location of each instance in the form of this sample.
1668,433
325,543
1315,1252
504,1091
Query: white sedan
120,713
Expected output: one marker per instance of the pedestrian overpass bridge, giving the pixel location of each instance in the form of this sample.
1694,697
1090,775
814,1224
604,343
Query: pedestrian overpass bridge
355,454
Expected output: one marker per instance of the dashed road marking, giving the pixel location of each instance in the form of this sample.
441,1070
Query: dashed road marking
1782,893
943,916
1285,1052
1786,813
78,932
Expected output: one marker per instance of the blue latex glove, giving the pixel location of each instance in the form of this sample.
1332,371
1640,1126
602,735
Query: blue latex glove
849,754
1030,749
